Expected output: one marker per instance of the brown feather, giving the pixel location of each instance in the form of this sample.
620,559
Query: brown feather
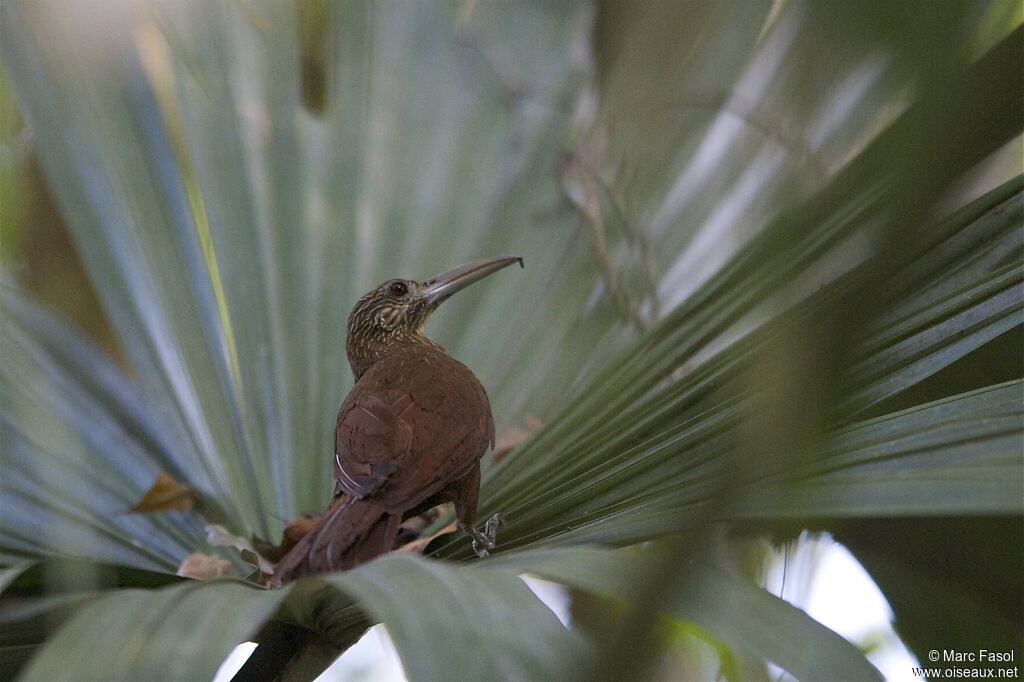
413,426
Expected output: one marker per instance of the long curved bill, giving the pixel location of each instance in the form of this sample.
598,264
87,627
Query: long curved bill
439,288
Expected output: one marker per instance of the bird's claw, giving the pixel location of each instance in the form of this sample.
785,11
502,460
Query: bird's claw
484,543
482,547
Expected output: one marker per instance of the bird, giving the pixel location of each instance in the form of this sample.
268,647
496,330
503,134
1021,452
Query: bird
409,435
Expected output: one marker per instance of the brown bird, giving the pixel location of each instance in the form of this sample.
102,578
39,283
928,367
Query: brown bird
409,435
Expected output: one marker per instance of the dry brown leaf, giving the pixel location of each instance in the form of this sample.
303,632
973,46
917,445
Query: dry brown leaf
409,534
165,495
201,566
293,532
512,436
418,545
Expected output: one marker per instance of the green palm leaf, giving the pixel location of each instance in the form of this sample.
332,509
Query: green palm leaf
502,630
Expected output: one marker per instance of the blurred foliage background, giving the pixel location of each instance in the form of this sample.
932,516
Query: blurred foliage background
773,285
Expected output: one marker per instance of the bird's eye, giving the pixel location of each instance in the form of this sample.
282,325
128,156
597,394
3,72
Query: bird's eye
398,289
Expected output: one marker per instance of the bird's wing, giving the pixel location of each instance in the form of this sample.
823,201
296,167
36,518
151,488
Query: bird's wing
409,427
369,440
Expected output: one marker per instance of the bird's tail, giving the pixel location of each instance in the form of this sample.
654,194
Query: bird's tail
350,532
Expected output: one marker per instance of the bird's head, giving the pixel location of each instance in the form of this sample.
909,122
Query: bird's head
392,315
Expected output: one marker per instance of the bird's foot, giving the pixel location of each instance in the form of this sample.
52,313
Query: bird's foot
484,543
